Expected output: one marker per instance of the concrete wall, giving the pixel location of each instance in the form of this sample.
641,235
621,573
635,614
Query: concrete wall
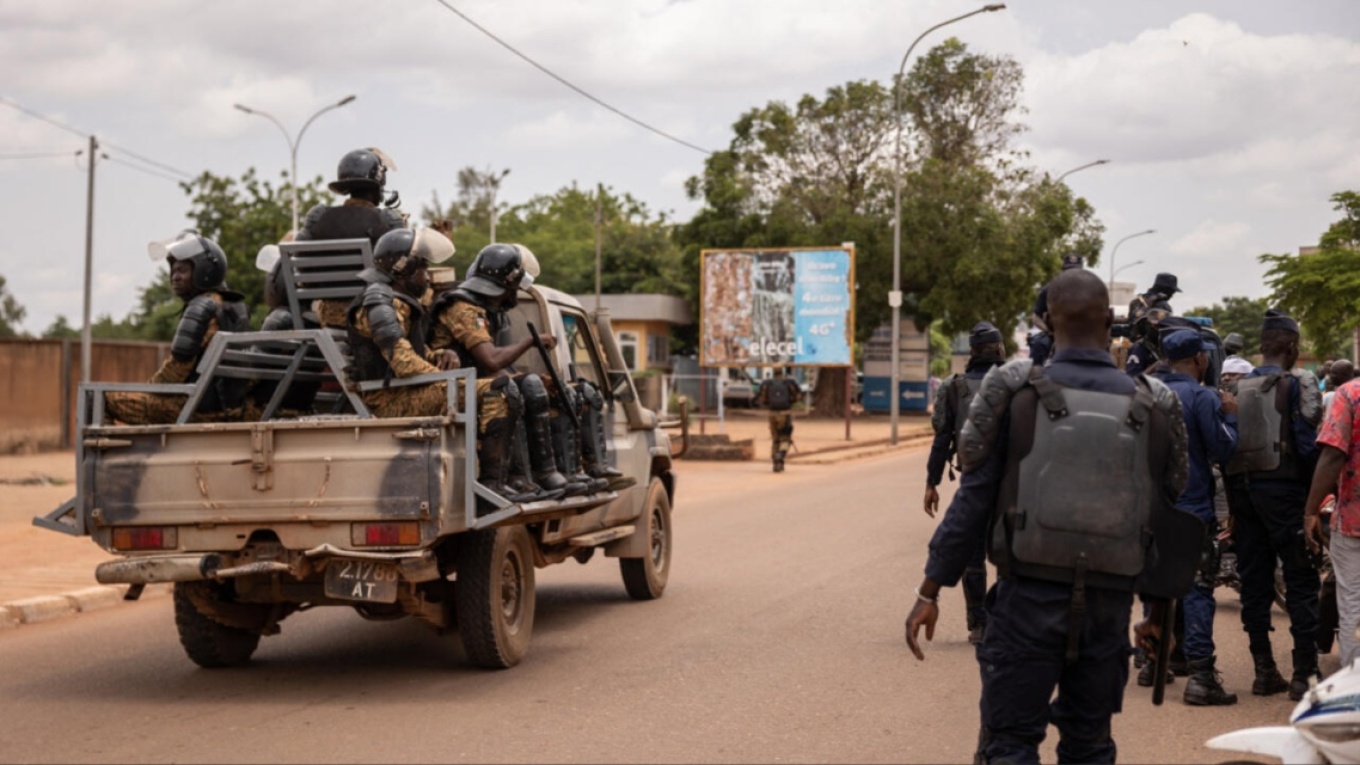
38,382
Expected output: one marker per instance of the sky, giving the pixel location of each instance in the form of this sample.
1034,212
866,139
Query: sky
1228,124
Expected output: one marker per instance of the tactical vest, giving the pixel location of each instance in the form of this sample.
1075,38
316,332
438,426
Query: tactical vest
1265,436
369,362
350,222
961,391
496,321
778,396
1082,485
230,312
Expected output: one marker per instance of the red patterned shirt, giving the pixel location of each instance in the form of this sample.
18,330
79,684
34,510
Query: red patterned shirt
1340,429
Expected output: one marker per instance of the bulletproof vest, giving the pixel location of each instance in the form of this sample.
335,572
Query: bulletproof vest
495,321
1265,440
778,396
1069,512
199,312
369,362
350,222
961,391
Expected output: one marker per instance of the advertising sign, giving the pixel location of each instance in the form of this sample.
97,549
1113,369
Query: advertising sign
774,307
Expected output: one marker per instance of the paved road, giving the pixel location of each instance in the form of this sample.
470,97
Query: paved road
779,639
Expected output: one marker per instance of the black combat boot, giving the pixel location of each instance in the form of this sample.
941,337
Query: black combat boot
1305,671
566,447
1147,676
541,459
493,461
521,478
1177,662
593,451
1205,686
1268,680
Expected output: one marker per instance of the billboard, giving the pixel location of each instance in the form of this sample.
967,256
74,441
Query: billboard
774,307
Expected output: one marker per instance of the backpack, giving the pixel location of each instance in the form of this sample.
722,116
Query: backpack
777,393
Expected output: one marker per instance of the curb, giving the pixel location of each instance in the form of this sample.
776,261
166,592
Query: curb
843,453
43,608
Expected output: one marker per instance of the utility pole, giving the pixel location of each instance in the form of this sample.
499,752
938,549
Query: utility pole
599,233
89,263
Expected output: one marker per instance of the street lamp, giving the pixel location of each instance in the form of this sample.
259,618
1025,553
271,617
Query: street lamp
1115,251
895,297
1083,167
1121,268
293,142
494,181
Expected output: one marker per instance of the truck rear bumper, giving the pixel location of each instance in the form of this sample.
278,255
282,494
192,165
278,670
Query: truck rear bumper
163,568
414,565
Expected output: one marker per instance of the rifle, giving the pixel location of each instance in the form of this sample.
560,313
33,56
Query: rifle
562,394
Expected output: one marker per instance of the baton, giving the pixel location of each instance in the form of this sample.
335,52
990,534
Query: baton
1164,653
557,381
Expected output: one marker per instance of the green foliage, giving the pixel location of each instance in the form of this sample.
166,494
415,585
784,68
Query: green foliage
1322,290
941,351
1237,314
61,328
11,313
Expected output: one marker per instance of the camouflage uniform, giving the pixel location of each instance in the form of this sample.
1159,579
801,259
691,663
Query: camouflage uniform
136,408
462,327
404,361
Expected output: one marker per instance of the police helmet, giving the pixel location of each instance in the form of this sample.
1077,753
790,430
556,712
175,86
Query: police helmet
497,269
397,248
361,169
210,263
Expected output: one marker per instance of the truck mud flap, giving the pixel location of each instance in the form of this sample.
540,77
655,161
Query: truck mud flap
64,519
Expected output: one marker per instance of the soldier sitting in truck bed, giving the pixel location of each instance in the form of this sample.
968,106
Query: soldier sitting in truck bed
387,325
198,271
468,319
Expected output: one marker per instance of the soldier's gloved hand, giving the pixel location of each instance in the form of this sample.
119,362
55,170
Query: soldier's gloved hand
448,360
932,501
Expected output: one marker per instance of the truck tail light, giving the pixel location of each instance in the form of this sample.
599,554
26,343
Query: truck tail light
145,538
386,534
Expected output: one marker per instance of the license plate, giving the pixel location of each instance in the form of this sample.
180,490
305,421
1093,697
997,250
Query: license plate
362,580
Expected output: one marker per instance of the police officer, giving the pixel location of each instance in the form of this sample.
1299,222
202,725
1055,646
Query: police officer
1211,436
1037,441
362,175
1041,342
951,406
1145,314
468,319
198,272
388,325
1268,483
778,394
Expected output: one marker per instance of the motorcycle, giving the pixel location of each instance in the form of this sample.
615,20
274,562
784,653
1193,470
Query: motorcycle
1324,727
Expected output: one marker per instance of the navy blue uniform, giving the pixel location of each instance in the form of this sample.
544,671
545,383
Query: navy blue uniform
941,450
1268,525
1022,656
1211,437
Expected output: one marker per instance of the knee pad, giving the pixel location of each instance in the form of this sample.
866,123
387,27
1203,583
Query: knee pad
535,394
593,398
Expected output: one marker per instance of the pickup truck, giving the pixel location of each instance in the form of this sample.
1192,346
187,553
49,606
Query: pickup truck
253,521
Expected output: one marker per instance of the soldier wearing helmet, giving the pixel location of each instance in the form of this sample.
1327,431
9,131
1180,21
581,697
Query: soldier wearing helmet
387,325
198,270
468,320
362,175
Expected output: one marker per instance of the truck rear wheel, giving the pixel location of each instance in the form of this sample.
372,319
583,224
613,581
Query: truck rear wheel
645,578
494,595
209,643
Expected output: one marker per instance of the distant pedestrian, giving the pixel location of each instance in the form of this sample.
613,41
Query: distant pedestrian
778,394
1338,471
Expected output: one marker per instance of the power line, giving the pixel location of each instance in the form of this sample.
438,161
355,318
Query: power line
146,170
562,80
39,154
84,134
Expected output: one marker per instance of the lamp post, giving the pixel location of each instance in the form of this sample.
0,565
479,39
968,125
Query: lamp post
1083,167
494,181
1121,268
895,297
293,142
1115,251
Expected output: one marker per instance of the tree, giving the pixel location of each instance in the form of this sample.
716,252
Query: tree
61,328
1237,314
11,313
980,233
1322,289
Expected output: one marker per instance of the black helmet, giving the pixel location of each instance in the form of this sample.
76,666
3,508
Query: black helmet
497,269
395,249
210,263
359,170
